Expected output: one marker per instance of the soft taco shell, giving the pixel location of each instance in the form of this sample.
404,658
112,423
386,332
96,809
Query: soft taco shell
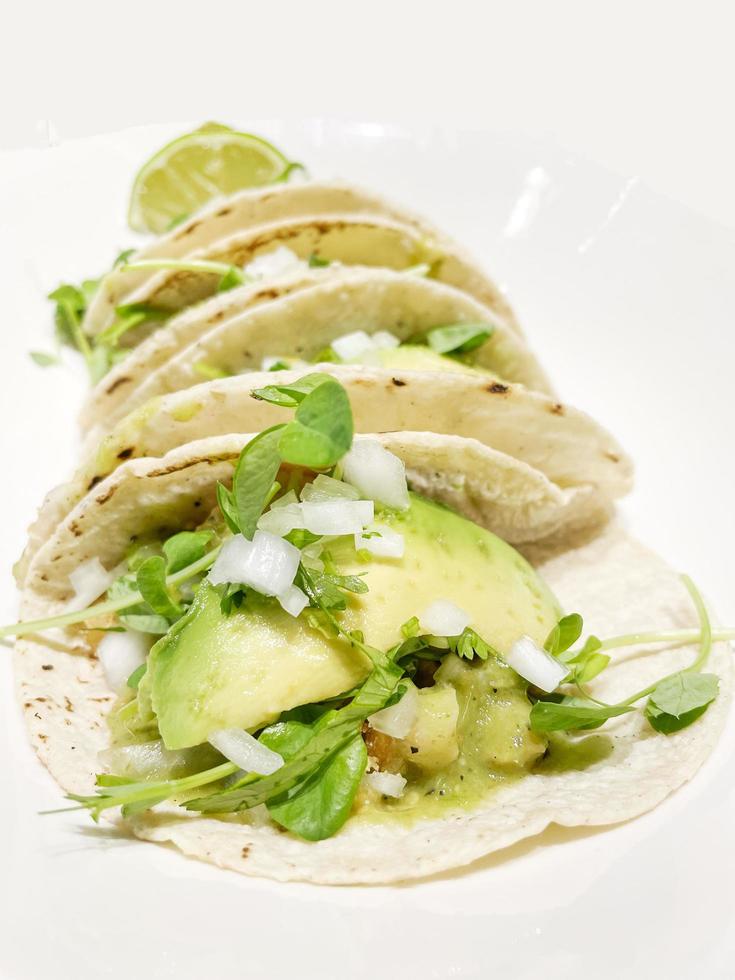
564,444
299,316
228,216
617,585
352,239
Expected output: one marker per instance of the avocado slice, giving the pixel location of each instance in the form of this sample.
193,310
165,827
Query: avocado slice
215,671
416,357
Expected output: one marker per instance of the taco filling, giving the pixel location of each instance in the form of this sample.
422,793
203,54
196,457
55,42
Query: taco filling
327,644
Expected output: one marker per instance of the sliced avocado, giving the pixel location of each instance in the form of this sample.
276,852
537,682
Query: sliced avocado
214,671
414,357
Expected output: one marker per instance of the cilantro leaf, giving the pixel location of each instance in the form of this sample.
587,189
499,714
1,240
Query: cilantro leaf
317,262
460,338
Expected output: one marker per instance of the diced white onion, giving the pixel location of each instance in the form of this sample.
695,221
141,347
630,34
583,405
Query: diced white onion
337,517
245,751
352,345
280,262
120,654
386,783
267,564
281,520
285,500
327,488
363,347
385,340
444,618
332,517
89,580
148,759
535,665
377,473
293,600
390,544
398,720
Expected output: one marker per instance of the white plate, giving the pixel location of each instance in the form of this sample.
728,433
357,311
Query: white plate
629,300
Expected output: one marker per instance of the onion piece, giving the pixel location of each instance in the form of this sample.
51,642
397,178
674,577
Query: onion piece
377,473
293,600
386,783
280,262
148,760
535,665
120,654
245,751
267,564
333,517
385,340
282,519
397,720
352,345
327,488
444,618
89,580
337,517
390,544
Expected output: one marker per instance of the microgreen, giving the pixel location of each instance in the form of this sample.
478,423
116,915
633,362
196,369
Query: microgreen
151,582
185,548
290,395
42,359
321,431
460,338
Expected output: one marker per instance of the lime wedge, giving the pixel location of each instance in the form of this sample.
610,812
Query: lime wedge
196,167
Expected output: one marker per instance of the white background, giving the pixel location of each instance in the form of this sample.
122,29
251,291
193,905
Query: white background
642,86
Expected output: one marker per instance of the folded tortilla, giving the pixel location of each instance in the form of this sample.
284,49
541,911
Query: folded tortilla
225,218
298,316
560,442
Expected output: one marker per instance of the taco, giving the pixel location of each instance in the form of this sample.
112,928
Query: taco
278,208
577,456
308,667
299,316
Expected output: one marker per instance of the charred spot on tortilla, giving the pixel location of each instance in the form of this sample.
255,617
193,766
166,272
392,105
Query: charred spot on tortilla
245,851
613,456
93,482
496,388
556,409
104,497
117,382
126,453
223,212
399,383
188,229
47,666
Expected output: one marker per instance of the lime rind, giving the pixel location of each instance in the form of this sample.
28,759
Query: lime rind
194,168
